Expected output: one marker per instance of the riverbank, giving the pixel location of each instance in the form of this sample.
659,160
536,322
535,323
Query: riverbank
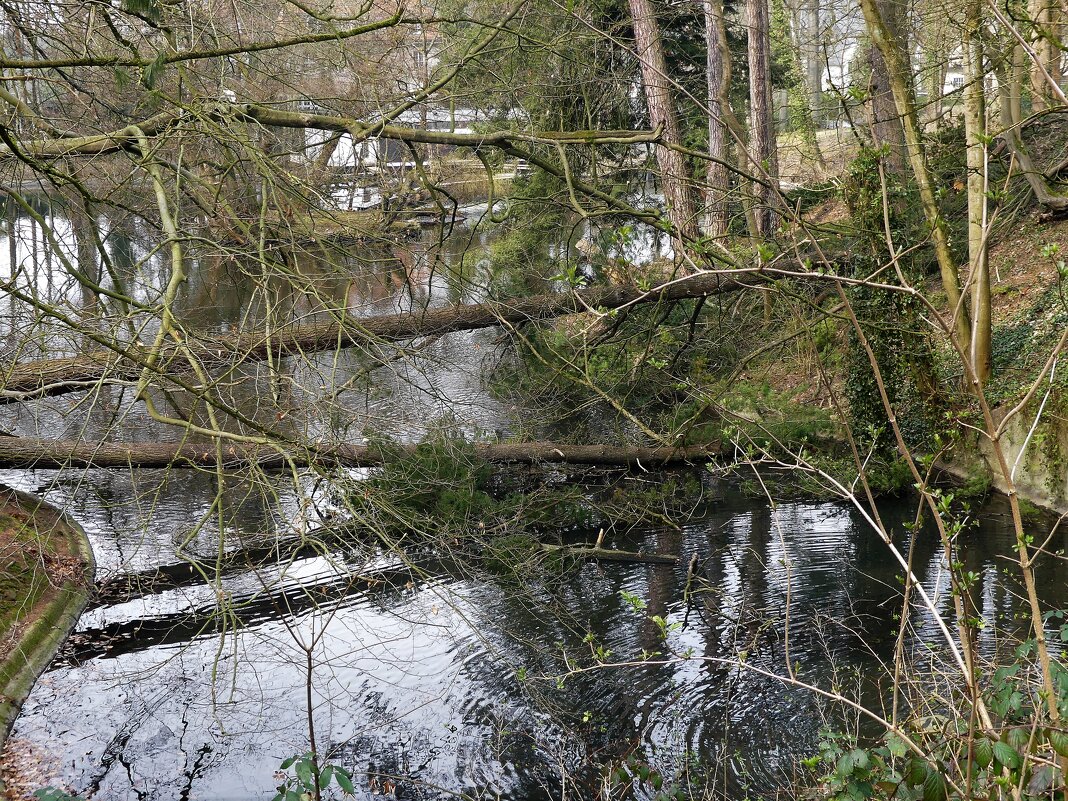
46,571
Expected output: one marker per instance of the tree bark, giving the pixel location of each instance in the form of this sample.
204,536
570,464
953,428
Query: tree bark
610,555
975,136
717,71
1047,18
1036,178
814,60
674,175
761,124
886,123
49,377
30,453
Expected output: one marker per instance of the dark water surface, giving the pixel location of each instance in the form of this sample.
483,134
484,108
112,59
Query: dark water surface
450,681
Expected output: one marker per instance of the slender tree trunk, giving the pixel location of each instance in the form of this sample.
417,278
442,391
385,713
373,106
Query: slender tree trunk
718,69
1017,70
674,175
899,74
1036,179
814,60
975,135
804,36
761,123
1047,18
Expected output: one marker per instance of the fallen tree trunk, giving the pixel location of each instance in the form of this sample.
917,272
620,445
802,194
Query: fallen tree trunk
40,454
48,377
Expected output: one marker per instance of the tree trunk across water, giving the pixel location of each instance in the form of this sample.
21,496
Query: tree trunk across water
41,454
48,377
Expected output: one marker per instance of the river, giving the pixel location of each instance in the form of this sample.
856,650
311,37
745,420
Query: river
428,678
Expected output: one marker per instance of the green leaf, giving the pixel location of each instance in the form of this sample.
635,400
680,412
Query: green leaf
325,775
896,745
1059,740
344,781
915,771
149,9
152,71
845,765
122,77
304,773
287,764
934,786
984,752
54,794
1006,755
1018,737
1042,780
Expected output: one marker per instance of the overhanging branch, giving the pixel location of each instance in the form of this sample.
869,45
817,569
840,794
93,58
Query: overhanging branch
48,377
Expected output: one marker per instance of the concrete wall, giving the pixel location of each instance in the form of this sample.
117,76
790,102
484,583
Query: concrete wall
1037,454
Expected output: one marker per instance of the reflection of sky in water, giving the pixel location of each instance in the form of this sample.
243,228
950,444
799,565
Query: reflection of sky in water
416,667
325,395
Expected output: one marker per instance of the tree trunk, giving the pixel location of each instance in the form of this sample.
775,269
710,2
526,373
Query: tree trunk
814,61
887,130
761,123
1047,17
718,70
49,377
1035,178
674,174
1017,70
899,74
975,136
38,454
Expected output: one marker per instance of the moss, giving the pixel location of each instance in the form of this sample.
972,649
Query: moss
45,613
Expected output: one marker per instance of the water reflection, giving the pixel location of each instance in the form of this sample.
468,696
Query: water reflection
417,665
455,682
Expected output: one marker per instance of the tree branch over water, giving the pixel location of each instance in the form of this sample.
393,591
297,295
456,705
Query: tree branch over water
49,377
